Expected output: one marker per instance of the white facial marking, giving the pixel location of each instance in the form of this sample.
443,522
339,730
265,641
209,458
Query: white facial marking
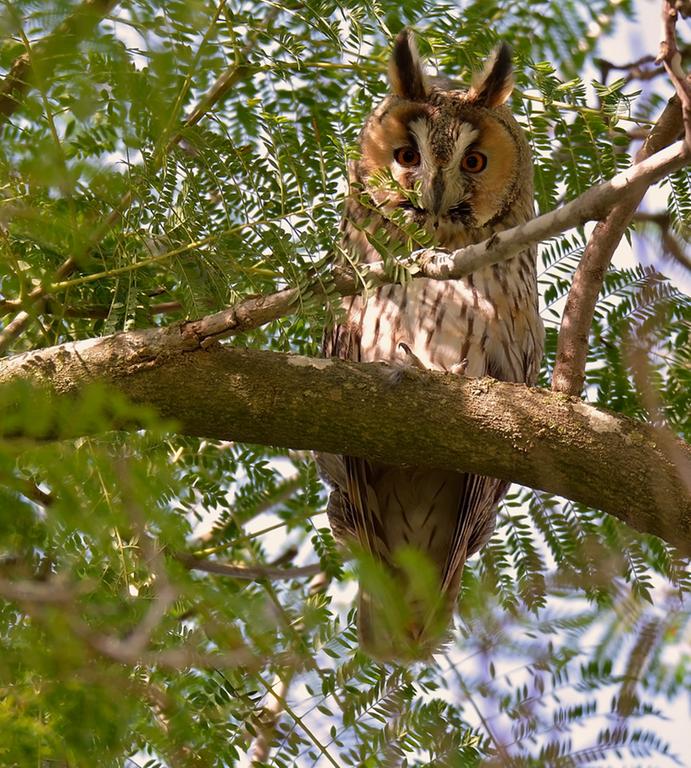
454,189
420,130
466,136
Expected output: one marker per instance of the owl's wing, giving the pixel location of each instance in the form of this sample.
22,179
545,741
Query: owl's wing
474,521
364,506
353,508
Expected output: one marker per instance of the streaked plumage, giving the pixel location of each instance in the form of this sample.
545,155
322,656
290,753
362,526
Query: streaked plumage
472,165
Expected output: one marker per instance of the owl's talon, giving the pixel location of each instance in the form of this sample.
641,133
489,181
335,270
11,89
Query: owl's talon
397,373
411,358
459,369
402,368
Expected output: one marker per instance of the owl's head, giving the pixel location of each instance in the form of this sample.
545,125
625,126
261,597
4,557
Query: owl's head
459,158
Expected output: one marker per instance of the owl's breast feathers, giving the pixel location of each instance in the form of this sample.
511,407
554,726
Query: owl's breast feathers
485,325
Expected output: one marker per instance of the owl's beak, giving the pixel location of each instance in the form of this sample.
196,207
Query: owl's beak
437,194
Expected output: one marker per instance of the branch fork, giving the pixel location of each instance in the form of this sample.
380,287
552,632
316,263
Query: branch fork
670,57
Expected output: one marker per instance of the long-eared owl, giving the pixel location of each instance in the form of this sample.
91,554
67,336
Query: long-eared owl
467,161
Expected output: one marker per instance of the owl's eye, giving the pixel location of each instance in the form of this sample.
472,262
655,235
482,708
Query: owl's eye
474,162
408,157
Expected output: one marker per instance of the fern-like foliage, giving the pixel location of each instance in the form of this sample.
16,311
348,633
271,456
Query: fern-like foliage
183,156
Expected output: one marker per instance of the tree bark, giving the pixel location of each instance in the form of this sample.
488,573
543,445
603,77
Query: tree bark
541,439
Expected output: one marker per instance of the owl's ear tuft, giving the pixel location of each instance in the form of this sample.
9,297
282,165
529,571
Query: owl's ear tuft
494,84
405,68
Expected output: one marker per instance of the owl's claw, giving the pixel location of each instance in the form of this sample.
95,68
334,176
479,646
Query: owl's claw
410,357
402,368
459,369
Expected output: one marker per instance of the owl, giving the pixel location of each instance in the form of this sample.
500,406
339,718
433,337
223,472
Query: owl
457,166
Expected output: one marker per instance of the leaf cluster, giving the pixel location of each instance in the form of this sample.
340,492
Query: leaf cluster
173,198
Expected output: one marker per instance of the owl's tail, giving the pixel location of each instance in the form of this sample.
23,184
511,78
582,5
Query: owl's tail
412,529
416,527
400,628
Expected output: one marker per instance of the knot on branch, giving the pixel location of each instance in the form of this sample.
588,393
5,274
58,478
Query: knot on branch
430,262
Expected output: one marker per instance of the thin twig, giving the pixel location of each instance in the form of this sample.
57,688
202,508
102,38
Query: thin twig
635,70
91,311
183,657
36,596
271,712
176,755
299,721
671,246
50,592
249,572
284,491
77,25
649,58
501,751
13,87
230,77
671,58
164,596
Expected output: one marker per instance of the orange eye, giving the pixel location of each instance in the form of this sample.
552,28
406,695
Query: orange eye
408,157
474,162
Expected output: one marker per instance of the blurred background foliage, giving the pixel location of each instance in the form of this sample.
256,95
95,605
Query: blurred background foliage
167,159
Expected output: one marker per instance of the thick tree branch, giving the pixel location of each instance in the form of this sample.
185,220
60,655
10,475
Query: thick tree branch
540,439
572,345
